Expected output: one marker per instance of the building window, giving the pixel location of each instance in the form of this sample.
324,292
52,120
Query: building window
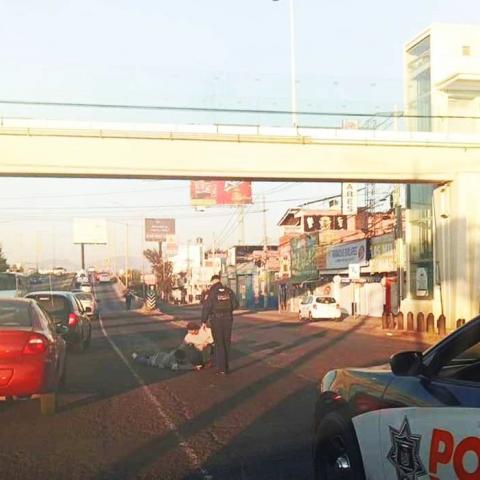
419,85
419,202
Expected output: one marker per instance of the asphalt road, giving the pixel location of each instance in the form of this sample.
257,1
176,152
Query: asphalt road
118,420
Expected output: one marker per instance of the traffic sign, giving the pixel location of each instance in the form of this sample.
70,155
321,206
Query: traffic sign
150,279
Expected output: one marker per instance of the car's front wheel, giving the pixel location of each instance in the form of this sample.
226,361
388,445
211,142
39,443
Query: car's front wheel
88,340
337,454
48,403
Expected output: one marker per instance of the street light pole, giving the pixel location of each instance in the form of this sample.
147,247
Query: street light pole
293,70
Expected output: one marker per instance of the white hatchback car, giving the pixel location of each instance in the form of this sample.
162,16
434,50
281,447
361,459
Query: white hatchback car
317,308
104,277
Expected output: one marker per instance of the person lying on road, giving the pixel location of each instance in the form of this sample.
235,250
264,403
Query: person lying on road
174,360
193,354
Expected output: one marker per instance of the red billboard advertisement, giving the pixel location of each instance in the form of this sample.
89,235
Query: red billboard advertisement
220,192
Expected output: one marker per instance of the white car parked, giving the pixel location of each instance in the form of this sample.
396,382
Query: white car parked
316,308
104,277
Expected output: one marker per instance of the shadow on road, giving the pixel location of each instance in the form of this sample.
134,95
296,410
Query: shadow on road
133,463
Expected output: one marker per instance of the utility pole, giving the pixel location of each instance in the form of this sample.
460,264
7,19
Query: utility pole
241,224
126,255
293,74
160,254
142,231
53,247
399,243
293,70
214,256
265,256
37,251
82,255
114,248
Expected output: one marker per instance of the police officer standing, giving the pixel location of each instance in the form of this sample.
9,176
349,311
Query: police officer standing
218,307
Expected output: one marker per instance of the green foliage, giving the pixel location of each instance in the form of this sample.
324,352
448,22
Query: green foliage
3,261
163,271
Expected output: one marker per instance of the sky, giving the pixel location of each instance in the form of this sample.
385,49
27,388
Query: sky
214,54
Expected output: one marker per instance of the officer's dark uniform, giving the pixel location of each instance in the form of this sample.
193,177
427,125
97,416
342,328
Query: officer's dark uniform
218,306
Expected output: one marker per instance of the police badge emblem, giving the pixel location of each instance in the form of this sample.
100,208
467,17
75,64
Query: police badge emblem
404,454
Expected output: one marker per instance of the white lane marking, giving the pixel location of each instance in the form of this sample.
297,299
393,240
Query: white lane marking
192,456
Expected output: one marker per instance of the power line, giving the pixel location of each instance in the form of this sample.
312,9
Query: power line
172,108
133,207
93,194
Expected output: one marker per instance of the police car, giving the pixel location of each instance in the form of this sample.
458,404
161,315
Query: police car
416,418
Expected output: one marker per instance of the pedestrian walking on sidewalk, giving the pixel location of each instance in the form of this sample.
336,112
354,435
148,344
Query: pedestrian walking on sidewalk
128,299
218,307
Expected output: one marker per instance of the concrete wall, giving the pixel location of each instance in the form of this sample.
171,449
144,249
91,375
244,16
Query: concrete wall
457,225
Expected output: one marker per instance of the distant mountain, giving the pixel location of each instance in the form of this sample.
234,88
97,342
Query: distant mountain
117,263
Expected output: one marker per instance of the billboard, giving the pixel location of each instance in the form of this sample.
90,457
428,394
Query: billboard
220,192
303,258
315,223
90,230
242,253
341,255
157,229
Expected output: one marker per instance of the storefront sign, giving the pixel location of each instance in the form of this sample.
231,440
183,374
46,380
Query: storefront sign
303,258
316,223
382,250
243,253
284,258
340,256
349,198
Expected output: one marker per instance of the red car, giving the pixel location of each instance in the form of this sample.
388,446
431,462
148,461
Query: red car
32,353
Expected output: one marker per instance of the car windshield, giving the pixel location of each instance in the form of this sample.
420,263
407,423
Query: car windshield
15,314
57,306
326,300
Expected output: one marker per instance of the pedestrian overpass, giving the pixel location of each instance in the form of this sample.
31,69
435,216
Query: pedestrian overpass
84,149
110,150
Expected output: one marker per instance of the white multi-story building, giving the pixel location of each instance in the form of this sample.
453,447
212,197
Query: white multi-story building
442,79
187,257
442,94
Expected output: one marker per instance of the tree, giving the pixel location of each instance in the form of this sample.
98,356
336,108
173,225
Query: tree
3,261
163,271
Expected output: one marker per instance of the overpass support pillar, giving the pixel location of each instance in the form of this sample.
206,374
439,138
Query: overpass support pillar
456,229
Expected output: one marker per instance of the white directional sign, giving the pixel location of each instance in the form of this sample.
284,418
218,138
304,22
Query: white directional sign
354,271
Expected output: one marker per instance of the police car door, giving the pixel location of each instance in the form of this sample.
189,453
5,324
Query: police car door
435,432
